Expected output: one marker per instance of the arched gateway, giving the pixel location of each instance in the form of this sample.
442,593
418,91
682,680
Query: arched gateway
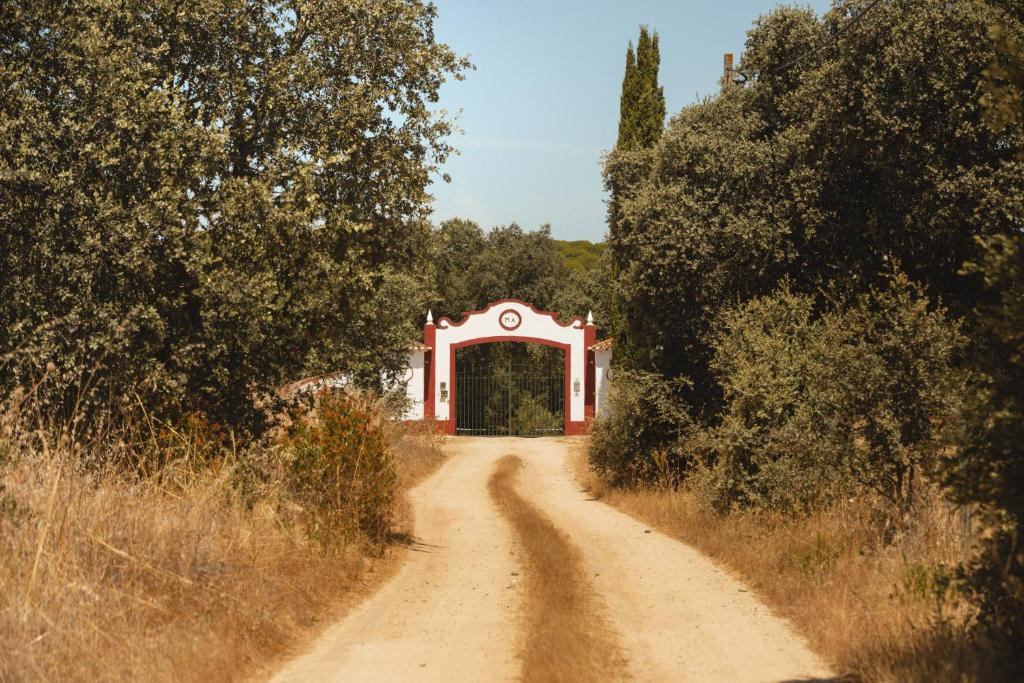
432,385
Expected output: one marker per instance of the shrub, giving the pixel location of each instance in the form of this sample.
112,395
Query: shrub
342,470
885,385
531,416
857,398
985,468
763,451
643,413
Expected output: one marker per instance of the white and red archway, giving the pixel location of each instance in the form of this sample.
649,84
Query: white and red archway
507,320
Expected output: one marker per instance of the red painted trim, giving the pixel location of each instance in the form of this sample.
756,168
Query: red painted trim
588,398
566,348
429,337
513,328
577,428
445,322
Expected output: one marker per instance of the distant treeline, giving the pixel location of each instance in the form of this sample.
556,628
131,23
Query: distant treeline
469,267
579,254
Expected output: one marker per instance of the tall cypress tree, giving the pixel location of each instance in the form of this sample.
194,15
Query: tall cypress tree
641,121
642,104
627,102
650,116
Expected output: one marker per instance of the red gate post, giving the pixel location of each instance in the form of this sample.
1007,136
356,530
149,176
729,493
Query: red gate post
589,339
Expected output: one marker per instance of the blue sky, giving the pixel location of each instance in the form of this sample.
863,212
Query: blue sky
543,102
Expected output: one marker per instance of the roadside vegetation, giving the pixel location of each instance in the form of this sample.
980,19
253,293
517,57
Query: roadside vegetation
879,604
192,215
207,561
816,317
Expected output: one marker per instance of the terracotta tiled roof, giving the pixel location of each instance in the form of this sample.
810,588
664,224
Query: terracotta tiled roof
603,345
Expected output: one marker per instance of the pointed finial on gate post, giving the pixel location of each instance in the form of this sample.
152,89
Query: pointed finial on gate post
430,317
590,317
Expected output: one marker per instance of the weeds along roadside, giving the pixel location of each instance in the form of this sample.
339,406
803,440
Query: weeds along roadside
879,607
208,559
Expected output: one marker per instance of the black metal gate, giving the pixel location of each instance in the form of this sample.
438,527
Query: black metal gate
509,400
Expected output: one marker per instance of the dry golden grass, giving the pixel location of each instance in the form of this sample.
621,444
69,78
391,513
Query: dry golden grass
567,637
872,605
418,452
106,577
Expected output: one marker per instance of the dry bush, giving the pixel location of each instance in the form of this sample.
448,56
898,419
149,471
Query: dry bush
341,469
418,452
200,571
878,606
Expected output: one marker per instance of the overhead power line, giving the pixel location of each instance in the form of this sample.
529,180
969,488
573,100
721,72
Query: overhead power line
831,40
825,43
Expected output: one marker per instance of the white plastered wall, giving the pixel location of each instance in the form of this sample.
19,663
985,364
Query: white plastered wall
602,370
414,385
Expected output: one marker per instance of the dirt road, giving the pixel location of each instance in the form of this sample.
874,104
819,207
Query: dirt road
453,612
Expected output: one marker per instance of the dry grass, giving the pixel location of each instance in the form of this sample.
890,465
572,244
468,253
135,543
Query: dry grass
419,453
873,605
567,637
107,577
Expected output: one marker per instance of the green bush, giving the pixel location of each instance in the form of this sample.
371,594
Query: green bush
885,385
764,451
342,470
643,413
855,399
985,469
532,416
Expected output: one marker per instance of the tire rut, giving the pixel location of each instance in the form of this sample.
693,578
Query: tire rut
566,635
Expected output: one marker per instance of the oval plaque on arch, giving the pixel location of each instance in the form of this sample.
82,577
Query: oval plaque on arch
510,319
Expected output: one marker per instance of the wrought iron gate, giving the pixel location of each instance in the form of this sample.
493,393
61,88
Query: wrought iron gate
509,400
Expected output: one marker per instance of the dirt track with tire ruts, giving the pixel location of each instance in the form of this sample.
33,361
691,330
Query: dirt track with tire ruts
453,612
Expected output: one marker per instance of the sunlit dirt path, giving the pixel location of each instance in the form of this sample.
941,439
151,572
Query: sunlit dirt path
453,612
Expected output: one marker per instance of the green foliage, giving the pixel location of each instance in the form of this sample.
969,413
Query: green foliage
820,171
532,416
342,470
1004,79
588,289
579,254
473,268
873,135
765,451
886,385
817,407
642,104
191,194
627,444
986,469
